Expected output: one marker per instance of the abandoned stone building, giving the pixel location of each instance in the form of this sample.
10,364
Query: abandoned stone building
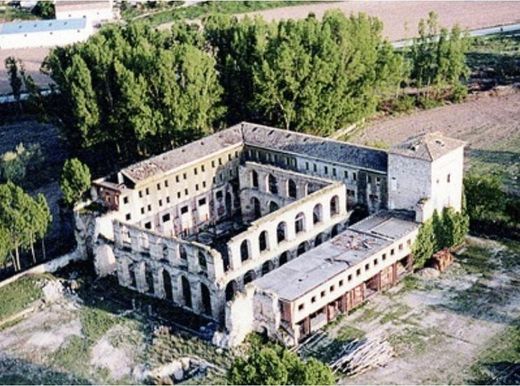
257,228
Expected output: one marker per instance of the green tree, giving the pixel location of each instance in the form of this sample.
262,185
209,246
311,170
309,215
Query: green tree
274,365
424,244
132,90
23,219
44,9
484,195
263,367
307,75
75,180
320,76
438,58
5,245
14,165
439,231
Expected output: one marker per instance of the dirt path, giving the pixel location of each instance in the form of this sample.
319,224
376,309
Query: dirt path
400,18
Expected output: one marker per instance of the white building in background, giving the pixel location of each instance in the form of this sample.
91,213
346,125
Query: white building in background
44,33
95,11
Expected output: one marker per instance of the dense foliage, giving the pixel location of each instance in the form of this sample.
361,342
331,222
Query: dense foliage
44,9
75,180
23,220
444,230
133,89
274,365
438,58
490,208
305,75
15,164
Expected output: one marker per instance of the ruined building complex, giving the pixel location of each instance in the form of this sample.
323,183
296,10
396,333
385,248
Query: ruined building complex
255,228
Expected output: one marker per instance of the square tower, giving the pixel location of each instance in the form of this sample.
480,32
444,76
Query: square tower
425,174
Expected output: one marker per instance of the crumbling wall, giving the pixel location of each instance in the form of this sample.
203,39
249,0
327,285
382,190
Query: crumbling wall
239,319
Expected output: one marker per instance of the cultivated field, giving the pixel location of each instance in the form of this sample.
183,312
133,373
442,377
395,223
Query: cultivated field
489,124
400,18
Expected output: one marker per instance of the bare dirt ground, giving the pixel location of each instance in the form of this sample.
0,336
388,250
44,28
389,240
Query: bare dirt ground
400,18
440,327
490,126
32,59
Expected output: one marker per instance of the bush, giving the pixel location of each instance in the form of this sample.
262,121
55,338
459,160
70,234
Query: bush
274,365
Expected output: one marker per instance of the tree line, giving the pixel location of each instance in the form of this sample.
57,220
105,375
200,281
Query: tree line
23,221
133,90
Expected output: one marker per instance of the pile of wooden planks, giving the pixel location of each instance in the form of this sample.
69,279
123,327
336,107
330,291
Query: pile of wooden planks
361,355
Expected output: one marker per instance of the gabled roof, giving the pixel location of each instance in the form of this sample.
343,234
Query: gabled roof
314,146
41,26
428,147
183,155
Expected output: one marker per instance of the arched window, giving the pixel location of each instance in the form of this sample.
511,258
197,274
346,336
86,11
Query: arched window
301,249
165,251
229,203
186,291
283,259
254,179
231,290
244,250
335,230
334,206
281,232
267,267
148,274
249,277
299,223
273,206
202,261
255,203
319,239
167,283
272,184
291,189
182,253
206,299
263,241
317,214
131,272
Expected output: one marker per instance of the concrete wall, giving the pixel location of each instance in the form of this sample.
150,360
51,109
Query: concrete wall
416,184
447,178
409,181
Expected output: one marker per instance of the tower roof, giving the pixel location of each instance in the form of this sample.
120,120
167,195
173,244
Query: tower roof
428,146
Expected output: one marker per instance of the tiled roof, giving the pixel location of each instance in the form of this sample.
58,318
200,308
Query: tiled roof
313,146
183,155
41,26
428,147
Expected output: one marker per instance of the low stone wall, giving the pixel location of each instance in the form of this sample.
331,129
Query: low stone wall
49,266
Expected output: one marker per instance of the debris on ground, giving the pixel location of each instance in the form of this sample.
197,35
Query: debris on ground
428,273
361,355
